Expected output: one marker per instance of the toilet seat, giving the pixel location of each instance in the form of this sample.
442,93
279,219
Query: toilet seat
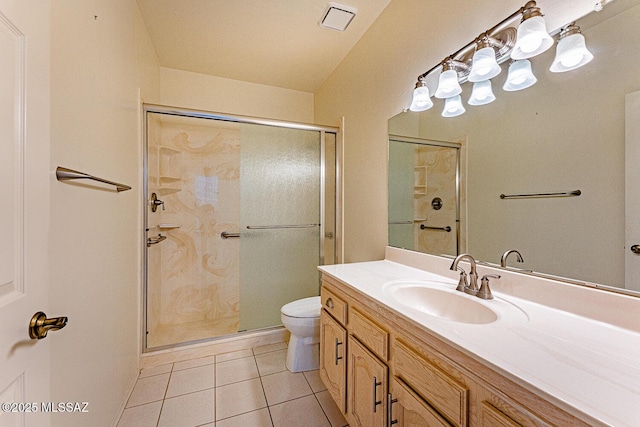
303,308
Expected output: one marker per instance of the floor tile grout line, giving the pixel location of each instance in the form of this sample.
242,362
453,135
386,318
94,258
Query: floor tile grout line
164,397
264,392
322,408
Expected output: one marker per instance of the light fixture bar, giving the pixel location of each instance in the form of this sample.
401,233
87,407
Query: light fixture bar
489,33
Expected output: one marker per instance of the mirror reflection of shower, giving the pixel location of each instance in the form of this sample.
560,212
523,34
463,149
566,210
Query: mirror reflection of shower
424,195
247,212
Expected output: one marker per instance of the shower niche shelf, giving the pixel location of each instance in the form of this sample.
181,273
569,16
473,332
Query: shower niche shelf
169,179
165,191
419,180
170,162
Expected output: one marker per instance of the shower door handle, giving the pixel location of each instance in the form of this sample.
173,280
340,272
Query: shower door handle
155,240
227,235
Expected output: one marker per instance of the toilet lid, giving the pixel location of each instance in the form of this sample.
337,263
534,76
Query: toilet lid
306,307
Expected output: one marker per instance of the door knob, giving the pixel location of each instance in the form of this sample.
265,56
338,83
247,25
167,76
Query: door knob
635,249
40,325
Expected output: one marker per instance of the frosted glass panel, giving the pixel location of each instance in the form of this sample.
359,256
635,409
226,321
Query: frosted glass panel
279,186
401,176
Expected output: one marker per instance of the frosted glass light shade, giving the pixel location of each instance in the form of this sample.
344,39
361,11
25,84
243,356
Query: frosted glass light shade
482,93
421,98
532,38
453,107
571,53
448,85
520,76
484,66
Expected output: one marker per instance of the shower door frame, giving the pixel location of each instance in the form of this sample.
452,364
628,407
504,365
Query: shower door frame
207,115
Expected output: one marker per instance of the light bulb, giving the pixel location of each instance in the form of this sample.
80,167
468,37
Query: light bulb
520,76
448,85
482,93
453,107
532,38
571,52
421,98
484,66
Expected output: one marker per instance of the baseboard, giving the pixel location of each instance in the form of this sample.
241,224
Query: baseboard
211,348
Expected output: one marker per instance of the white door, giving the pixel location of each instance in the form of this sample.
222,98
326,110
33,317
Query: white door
632,191
24,208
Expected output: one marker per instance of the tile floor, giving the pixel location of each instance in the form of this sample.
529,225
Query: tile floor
248,388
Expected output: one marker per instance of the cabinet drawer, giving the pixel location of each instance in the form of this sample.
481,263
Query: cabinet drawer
373,336
334,305
490,416
443,392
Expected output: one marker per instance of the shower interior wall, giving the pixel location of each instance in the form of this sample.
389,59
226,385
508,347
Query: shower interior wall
192,168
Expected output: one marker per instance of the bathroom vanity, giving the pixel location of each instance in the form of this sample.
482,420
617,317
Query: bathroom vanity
399,345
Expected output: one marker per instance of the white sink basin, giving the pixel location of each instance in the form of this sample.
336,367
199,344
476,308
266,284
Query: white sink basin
440,299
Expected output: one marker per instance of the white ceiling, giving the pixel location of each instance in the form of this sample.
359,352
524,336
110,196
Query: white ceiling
272,42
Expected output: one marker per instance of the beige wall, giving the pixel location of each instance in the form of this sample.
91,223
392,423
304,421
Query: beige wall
202,92
102,63
375,82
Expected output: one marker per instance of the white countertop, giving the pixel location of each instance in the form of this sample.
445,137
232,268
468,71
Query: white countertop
584,366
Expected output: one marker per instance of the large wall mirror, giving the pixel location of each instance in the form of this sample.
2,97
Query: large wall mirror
570,131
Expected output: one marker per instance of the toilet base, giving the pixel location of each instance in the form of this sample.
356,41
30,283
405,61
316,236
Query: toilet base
303,354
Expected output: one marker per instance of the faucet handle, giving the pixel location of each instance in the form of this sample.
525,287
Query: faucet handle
485,292
462,283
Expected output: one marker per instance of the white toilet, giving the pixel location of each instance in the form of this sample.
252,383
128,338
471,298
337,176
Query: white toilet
302,319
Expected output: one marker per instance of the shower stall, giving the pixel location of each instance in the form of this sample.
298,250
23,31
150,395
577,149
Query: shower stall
239,213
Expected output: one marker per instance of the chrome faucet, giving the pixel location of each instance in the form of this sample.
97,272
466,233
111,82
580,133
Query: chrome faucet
472,288
503,260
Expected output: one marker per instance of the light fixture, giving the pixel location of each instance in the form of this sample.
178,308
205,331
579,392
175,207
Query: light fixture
520,76
533,37
485,66
481,93
571,52
453,107
421,98
479,60
448,84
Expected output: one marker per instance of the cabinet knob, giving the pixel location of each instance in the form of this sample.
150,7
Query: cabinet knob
329,303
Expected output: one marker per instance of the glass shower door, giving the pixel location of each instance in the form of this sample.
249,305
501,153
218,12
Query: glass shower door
280,187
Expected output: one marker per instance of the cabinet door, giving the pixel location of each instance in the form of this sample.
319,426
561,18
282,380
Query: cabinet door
406,409
367,379
333,359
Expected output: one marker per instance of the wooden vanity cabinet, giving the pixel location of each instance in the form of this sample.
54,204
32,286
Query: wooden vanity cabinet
441,386
367,379
333,347
333,366
383,370
407,409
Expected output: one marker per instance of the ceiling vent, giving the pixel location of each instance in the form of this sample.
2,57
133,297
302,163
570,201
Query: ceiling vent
338,16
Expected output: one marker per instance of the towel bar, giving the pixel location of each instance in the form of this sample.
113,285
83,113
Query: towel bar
64,174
